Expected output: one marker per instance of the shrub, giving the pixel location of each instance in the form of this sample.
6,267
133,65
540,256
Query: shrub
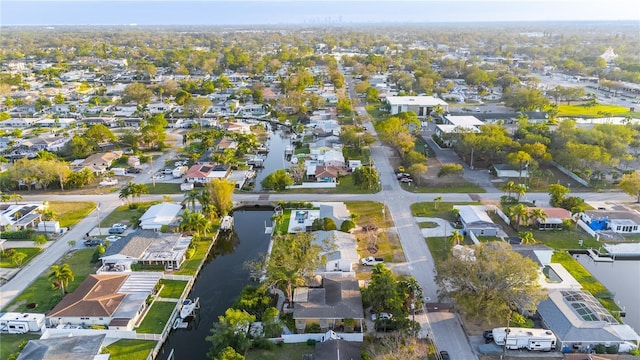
312,328
600,349
612,349
7,253
27,234
263,344
311,342
347,226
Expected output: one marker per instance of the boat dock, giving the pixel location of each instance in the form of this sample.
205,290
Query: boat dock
227,223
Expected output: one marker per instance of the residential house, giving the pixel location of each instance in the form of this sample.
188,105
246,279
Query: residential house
340,252
225,143
332,158
619,221
63,123
336,211
113,300
509,171
20,216
49,143
580,322
98,163
475,219
146,248
203,173
455,125
555,217
421,105
64,347
163,214
325,174
338,299
337,349
237,127
18,123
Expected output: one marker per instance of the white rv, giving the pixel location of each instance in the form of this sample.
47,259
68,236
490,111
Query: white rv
20,323
523,338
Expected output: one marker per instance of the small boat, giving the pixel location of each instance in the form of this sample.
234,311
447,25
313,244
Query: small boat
188,306
227,223
179,324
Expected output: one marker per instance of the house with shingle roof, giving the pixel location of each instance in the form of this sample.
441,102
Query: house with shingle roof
580,322
329,306
148,248
112,300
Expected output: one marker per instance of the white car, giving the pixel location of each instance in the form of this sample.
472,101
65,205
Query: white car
113,238
120,226
381,316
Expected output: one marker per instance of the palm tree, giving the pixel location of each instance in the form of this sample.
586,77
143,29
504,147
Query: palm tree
15,197
125,193
527,237
436,201
60,276
456,238
191,197
518,214
520,190
538,215
509,188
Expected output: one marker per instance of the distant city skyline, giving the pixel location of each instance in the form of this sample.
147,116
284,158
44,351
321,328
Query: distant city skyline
309,12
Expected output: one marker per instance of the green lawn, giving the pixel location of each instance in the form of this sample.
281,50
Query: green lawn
370,212
41,291
156,317
345,186
588,282
282,352
164,188
130,349
375,113
30,252
70,213
283,225
190,266
10,343
594,111
428,209
172,289
123,214
467,188
427,225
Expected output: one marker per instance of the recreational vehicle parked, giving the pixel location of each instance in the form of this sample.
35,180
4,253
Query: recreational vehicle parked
21,323
523,338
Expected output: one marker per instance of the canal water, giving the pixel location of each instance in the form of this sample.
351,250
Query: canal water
621,278
220,282
275,159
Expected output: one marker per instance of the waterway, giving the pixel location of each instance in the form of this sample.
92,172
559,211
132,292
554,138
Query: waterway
275,159
220,282
621,278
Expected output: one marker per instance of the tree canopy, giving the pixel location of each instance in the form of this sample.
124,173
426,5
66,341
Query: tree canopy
494,283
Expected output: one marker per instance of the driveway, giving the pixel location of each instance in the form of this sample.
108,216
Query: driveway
443,229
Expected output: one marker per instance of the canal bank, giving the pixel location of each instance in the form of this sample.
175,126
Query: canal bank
220,281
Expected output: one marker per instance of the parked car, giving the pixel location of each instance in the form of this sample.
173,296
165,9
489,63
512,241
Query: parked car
406,180
488,336
400,176
370,261
444,355
134,170
381,316
119,225
167,171
93,242
113,238
386,325
116,230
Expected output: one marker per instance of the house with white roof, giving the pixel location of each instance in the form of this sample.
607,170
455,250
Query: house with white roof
340,252
475,219
158,215
421,105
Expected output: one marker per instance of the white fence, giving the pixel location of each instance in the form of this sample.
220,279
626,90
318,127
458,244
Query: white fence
474,238
588,230
121,334
504,217
570,174
314,185
300,338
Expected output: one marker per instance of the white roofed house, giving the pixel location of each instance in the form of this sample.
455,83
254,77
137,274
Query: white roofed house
475,219
159,215
339,252
332,158
421,105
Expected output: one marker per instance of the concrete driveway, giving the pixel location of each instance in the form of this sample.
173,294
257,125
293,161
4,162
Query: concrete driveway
444,228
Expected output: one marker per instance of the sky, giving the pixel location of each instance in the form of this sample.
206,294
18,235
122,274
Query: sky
307,12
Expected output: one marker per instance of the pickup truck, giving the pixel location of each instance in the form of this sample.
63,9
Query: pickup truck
370,261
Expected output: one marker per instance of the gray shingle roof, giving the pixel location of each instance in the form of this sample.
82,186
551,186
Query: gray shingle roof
339,298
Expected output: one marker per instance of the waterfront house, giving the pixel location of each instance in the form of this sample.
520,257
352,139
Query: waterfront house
337,305
159,215
146,248
339,251
114,300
